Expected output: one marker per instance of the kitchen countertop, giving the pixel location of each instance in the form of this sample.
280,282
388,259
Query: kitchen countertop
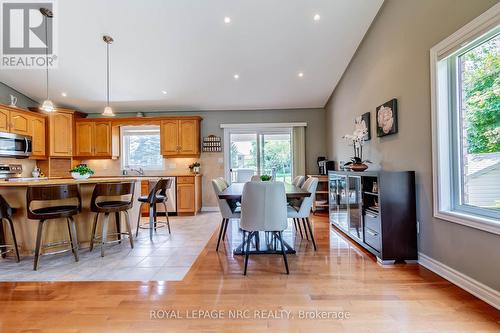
91,180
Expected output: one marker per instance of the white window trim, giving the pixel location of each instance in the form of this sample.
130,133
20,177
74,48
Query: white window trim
123,147
441,144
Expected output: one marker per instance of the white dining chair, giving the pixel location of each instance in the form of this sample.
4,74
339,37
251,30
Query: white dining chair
263,208
302,212
255,178
220,185
298,181
244,175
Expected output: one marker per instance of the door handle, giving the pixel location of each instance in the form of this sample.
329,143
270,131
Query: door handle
372,233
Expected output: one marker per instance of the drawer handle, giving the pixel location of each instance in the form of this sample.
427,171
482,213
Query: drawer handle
371,232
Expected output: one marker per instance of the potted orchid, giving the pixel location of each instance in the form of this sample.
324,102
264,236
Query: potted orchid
357,139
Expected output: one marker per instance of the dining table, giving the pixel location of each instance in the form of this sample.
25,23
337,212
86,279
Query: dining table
270,245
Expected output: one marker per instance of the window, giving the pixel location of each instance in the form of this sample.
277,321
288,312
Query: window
141,147
465,72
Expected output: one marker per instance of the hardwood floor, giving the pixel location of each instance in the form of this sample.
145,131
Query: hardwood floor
339,277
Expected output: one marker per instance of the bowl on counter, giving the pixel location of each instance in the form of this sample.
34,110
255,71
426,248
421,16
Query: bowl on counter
78,176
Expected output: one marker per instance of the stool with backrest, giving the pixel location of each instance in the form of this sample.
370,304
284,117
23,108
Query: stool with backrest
263,208
109,198
302,212
158,195
6,215
227,213
71,206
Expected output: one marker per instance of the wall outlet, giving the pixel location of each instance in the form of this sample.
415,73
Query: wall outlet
172,166
220,160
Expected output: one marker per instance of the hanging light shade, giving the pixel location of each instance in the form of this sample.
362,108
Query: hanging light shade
108,111
47,105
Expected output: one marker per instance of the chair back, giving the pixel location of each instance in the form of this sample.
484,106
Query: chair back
219,186
263,207
111,190
255,178
161,188
298,181
244,175
5,209
223,181
310,185
52,193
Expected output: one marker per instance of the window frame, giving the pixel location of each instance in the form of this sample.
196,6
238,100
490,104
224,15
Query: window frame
124,146
445,104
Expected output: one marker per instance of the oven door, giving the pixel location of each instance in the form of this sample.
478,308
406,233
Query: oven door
15,145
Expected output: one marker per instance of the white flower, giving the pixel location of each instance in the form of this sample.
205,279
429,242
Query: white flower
385,119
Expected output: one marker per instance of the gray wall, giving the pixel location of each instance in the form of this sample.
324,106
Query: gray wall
315,119
393,62
22,100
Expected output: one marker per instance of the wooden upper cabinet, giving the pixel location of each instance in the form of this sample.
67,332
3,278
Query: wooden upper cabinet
20,122
61,134
95,139
37,132
102,139
189,137
180,137
169,134
4,120
84,133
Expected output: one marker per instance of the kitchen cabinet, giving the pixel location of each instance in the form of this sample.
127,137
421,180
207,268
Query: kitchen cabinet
61,134
38,132
180,137
188,194
4,120
95,139
20,122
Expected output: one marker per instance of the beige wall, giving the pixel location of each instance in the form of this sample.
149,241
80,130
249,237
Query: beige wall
393,62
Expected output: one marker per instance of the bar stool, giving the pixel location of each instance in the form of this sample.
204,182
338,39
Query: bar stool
51,193
6,214
107,206
158,195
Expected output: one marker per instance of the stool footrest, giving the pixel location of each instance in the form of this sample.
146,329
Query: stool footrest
159,224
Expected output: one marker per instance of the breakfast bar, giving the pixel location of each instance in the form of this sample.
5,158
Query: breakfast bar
26,229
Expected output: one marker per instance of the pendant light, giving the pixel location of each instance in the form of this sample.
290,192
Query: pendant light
47,105
108,111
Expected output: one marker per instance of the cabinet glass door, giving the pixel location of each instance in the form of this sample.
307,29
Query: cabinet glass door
355,205
338,201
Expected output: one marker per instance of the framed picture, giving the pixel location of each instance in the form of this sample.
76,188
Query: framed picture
387,118
363,123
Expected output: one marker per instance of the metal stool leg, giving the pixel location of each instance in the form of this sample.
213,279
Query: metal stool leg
104,234
118,226
129,228
2,239
38,244
12,231
151,225
72,235
94,226
139,220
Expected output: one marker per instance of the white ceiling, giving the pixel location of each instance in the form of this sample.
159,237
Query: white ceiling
185,48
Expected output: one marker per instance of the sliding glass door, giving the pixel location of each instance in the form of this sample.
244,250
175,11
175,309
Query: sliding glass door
260,152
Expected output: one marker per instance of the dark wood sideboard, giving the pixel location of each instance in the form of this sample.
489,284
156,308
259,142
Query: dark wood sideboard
377,210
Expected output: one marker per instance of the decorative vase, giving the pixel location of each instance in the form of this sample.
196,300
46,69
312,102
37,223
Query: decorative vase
196,170
358,167
78,176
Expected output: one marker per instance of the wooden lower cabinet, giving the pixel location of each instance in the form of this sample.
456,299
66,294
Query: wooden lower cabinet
188,195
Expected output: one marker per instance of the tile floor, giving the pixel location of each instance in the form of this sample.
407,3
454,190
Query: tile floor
167,258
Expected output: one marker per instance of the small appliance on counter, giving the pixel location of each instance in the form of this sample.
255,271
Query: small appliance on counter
324,165
12,173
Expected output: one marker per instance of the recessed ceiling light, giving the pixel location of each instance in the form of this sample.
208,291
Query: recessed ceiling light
316,17
236,76
164,92
227,20
300,74
63,94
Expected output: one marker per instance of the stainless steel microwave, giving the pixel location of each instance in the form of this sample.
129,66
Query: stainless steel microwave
15,145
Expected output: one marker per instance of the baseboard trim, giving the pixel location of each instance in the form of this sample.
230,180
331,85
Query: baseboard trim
210,209
476,288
